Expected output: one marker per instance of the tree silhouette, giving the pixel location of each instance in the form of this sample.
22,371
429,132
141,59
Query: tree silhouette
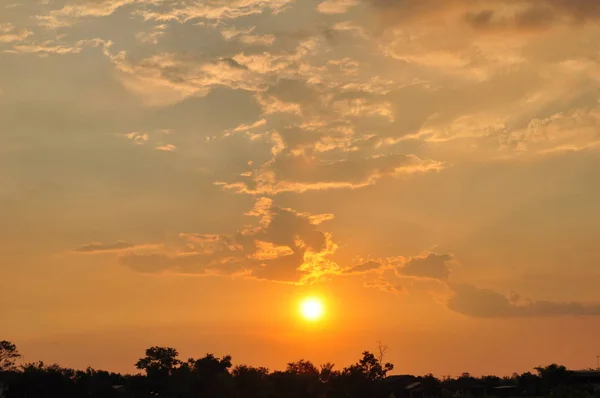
302,367
159,364
252,382
552,376
371,367
8,355
206,377
159,359
361,379
164,375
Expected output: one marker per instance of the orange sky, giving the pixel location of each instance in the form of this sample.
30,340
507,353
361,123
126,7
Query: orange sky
184,173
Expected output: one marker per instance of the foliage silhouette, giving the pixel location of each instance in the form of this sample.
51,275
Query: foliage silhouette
163,374
8,355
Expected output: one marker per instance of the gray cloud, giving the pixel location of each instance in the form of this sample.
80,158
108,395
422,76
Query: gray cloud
385,286
365,267
531,14
433,266
104,247
484,303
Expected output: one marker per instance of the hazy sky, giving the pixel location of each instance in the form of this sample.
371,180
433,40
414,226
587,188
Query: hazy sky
182,172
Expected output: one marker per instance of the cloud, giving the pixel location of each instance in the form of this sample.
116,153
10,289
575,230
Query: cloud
166,148
272,105
137,137
160,10
215,10
351,27
365,267
484,303
244,128
262,40
336,6
432,266
153,36
361,107
385,286
525,15
572,130
243,35
165,78
10,34
299,173
468,299
72,13
284,246
52,47
104,247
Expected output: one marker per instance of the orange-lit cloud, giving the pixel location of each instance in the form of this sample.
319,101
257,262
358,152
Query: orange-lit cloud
283,246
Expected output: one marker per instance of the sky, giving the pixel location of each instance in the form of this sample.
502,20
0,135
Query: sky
183,172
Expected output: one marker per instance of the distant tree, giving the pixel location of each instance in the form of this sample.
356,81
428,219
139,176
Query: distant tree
362,378
208,377
8,355
372,368
381,351
553,376
97,383
302,367
327,373
301,379
251,382
464,384
490,382
529,384
49,381
159,359
160,363
431,385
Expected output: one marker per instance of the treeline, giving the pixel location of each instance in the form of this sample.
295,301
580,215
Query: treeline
164,374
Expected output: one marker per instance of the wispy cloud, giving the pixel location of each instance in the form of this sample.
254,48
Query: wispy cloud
336,6
10,34
166,148
105,247
137,137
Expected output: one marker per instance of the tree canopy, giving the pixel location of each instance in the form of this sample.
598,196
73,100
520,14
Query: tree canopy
164,374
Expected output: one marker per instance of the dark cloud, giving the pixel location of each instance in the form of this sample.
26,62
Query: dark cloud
286,227
385,286
484,303
104,247
531,14
365,267
531,19
281,269
433,266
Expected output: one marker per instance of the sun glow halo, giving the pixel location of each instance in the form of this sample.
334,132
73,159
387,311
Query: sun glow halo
312,309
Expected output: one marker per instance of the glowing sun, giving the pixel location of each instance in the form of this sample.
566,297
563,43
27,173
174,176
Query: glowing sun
312,309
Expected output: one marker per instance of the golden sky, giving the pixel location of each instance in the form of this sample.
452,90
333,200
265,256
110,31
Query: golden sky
184,172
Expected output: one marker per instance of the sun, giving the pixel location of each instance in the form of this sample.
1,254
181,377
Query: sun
312,309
